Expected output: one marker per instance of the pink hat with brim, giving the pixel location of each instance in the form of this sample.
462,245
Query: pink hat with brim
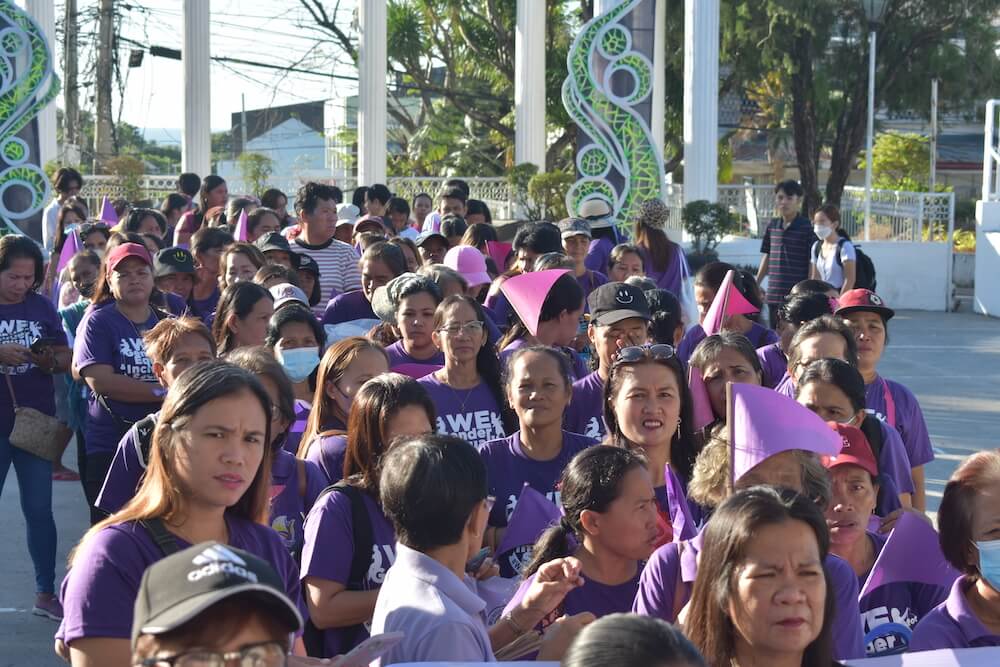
469,263
120,253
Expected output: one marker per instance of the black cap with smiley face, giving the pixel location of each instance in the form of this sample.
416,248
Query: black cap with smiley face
614,302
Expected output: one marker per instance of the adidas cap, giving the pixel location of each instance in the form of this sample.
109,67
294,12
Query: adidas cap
181,586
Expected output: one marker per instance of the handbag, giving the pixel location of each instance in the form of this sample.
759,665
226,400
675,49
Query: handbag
34,431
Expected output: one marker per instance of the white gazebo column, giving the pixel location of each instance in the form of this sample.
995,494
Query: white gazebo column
44,13
372,102
529,84
656,114
701,99
196,133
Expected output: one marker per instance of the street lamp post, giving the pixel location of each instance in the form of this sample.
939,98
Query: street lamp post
873,12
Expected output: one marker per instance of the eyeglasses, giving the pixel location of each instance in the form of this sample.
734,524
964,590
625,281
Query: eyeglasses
657,352
265,654
473,328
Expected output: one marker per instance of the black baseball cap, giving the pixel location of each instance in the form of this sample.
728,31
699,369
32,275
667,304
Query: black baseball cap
614,302
181,586
169,261
307,263
424,237
275,241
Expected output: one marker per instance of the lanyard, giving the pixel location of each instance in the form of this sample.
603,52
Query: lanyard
890,404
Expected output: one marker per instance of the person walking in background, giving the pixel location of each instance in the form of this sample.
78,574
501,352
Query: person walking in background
785,247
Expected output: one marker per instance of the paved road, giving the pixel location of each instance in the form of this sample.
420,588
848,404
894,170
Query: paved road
952,363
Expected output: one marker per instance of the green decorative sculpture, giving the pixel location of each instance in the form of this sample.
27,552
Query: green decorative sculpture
27,84
623,166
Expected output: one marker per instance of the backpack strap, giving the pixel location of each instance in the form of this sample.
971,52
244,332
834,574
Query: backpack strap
872,428
840,245
161,536
144,438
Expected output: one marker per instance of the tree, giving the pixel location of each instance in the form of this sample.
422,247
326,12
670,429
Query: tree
255,170
901,162
455,58
819,49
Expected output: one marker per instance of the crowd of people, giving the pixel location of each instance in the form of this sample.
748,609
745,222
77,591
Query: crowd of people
309,427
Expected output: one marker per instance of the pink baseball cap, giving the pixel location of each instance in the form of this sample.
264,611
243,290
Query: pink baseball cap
470,263
126,250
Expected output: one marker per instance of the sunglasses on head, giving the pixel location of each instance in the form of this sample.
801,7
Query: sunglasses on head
88,227
634,353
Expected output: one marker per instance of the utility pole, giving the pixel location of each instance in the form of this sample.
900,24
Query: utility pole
102,124
71,116
934,133
243,124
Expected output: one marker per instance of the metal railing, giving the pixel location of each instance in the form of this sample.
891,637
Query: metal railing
896,215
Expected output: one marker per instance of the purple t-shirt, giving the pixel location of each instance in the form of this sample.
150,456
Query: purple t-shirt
205,308
174,304
127,467
398,355
329,550
288,507
672,277
21,323
298,427
774,362
508,468
98,593
597,598
893,461
598,254
889,613
105,336
590,281
759,336
904,415
676,564
328,453
348,307
471,414
952,624
585,413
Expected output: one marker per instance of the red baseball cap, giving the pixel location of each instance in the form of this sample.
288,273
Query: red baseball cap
126,250
856,450
858,300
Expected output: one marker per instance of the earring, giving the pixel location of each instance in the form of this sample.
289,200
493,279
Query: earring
678,423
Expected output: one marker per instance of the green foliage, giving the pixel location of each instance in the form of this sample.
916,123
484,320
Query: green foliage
129,170
255,170
707,224
548,191
157,158
519,177
901,162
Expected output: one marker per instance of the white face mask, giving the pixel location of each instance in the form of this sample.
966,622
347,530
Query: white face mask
822,231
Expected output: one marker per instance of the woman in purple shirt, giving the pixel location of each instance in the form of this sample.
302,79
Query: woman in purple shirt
408,303
26,316
969,521
243,313
796,311
538,383
207,480
388,407
762,596
110,356
868,316
721,359
609,525
345,367
207,246
707,282
663,259
467,391
889,612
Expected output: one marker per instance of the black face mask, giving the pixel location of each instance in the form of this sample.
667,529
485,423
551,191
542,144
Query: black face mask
86,290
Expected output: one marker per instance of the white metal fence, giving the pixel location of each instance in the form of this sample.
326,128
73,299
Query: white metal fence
896,215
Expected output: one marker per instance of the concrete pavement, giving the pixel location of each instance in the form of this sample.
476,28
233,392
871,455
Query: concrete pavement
951,362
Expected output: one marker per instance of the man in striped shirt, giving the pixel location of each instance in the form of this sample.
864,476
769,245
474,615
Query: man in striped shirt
785,247
316,206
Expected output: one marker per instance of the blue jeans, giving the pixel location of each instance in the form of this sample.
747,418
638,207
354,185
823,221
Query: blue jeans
34,480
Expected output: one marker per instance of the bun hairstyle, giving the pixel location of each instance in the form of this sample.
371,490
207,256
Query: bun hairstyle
803,307
592,480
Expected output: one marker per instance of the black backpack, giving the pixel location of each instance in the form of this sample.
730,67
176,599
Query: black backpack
364,540
864,267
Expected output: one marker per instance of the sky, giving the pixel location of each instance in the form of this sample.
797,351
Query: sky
276,32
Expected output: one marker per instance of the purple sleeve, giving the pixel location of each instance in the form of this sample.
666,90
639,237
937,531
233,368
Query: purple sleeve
848,638
893,461
124,475
598,254
937,630
329,539
448,642
315,483
53,323
690,341
912,427
337,309
658,584
94,343
112,566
